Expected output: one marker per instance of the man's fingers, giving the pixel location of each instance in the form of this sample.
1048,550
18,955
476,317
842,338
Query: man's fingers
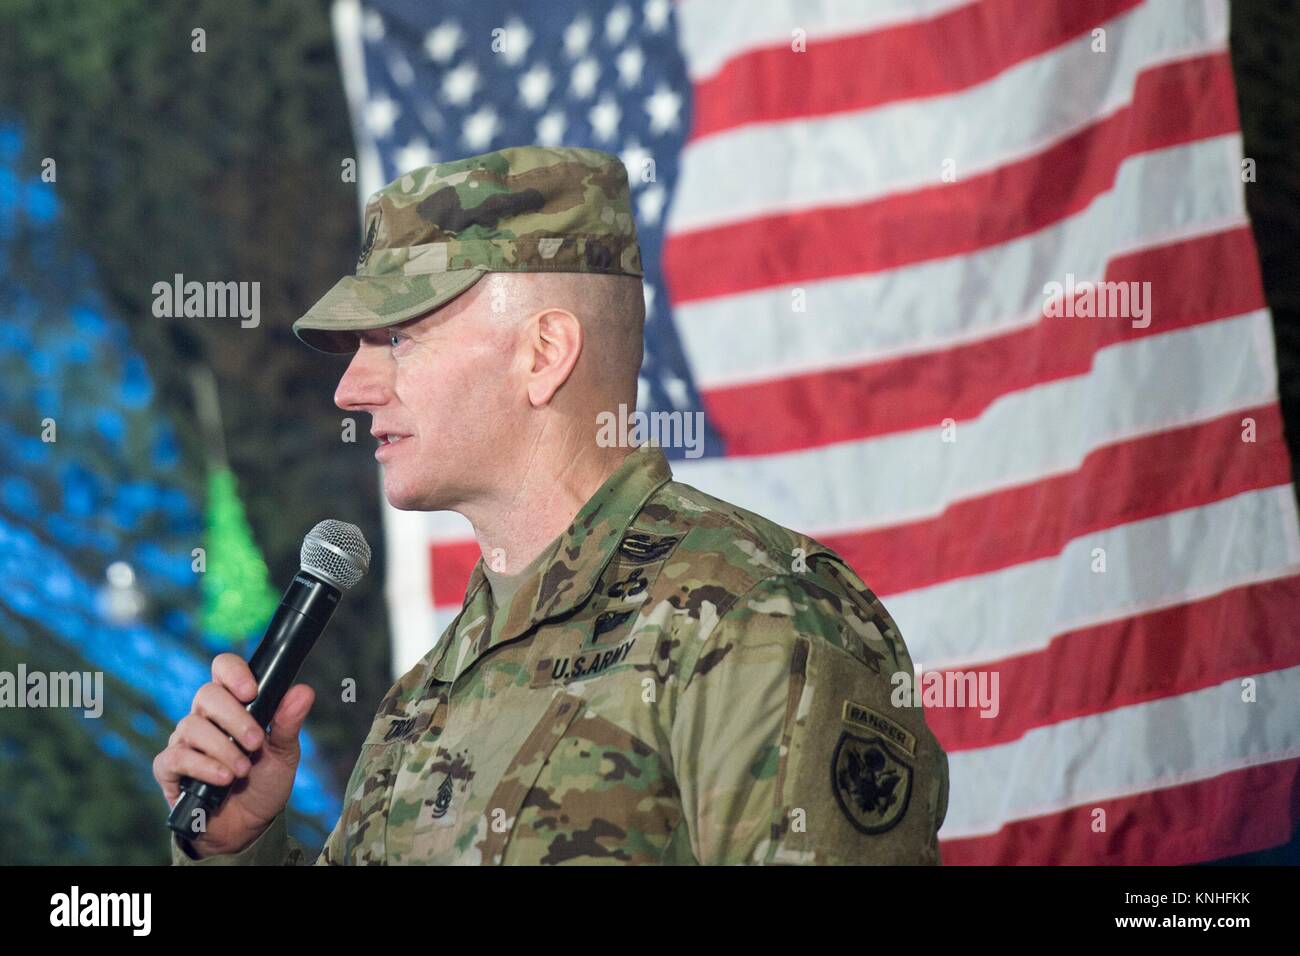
166,777
215,702
232,672
290,715
203,735
191,763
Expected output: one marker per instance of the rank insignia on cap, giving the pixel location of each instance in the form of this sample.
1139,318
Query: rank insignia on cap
872,783
369,243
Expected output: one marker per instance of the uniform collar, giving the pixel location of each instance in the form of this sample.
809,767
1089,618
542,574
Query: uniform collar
568,573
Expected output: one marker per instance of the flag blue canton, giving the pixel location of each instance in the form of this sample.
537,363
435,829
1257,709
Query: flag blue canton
451,81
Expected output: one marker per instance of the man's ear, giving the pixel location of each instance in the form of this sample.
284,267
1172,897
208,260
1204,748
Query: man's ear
554,342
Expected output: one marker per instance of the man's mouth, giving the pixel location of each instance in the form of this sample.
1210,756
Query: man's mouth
389,438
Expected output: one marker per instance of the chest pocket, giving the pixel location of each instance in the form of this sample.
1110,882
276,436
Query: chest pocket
581,790
600,639
517,783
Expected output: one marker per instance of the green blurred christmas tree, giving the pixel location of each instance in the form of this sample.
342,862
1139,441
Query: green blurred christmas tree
237,595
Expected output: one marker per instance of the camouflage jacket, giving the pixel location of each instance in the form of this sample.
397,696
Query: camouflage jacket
680,681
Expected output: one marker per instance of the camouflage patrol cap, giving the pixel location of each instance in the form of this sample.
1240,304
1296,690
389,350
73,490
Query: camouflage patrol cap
434,232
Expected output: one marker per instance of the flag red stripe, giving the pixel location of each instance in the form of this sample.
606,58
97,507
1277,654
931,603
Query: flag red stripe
1189,285
1163,653
1175,103
1117,484
450,564
1236,812
947,53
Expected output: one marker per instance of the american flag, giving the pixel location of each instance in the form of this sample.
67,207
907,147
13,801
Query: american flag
864,219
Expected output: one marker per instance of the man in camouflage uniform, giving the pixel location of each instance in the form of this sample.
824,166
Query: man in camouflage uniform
670,679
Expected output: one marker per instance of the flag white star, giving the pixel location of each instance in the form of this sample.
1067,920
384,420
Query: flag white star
663,108
656,13
648,293
381,114
577,35
630,63
535,87
400,68
460,84
550,129
481,127
515,41
676,389
372,25
604,117
650,204
636,158
617,24
413,155
443,40
583,79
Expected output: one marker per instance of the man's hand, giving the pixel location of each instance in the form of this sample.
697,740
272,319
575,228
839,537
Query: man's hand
262,773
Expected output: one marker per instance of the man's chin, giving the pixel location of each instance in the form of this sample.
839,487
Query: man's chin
407,503
407,499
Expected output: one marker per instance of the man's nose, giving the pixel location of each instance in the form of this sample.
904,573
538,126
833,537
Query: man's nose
365,383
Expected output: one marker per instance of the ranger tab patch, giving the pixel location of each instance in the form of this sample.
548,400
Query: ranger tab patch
863,716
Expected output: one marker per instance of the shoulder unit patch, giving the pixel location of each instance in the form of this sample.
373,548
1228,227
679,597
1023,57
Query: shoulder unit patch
872,782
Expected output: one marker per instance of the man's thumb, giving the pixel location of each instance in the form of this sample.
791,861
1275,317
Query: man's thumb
289,717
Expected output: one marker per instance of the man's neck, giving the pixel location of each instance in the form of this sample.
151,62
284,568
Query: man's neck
543,497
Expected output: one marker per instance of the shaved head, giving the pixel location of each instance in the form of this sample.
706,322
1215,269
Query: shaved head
610,308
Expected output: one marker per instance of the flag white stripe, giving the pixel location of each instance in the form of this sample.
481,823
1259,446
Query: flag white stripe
415,624
1133,388
1159,562
854,157
1122,752
712,32
345,17
1158,197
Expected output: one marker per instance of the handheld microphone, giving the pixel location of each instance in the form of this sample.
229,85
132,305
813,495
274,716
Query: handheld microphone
334,558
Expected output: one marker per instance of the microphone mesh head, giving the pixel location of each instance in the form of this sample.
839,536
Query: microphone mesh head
337,552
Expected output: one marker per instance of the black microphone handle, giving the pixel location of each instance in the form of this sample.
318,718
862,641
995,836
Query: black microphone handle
305,609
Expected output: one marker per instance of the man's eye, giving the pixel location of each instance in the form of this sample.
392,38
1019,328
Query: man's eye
394,339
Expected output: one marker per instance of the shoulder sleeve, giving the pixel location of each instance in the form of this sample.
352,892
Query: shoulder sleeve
785,743
273,848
